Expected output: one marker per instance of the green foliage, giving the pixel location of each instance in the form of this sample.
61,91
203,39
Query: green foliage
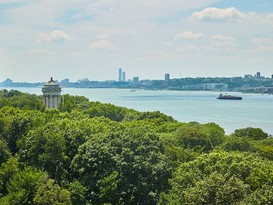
78,193
175,152
155,115
23,185
15,123
50,193
109,166
264,147
110,111
21,100
7,170
253,133
45,147
220,178
200,137
233,143
73,102
4,151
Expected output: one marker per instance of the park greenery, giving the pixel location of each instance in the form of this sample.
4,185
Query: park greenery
93,153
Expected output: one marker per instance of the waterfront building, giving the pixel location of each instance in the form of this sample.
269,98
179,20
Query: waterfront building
248,76
51,94
135,79
258,75
167,76
123,76
120,75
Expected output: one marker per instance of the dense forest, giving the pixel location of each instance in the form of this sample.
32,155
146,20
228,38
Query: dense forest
88,152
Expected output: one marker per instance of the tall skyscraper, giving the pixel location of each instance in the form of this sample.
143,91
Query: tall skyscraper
123,76
120,74
167,76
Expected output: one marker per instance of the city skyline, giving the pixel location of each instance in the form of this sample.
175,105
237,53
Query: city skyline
79,39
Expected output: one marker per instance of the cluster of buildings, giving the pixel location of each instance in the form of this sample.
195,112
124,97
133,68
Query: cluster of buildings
122,77
247,83
257,75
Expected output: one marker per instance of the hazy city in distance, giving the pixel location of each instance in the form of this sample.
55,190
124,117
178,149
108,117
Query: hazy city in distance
256,83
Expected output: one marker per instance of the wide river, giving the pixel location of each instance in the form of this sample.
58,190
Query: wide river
255,110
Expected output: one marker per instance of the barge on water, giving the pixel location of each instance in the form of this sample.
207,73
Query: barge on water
229,97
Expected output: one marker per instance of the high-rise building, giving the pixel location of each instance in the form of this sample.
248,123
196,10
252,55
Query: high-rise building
167,76
51,94
123,76
120,74
258,75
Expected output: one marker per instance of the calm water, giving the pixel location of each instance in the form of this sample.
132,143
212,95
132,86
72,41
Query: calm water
255,110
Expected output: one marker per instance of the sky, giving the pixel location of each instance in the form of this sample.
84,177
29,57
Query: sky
92,39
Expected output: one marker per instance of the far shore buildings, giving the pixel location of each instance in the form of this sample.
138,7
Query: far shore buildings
51,94
167,77
121,75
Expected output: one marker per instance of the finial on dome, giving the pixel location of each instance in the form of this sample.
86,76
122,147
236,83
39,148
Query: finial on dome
51,80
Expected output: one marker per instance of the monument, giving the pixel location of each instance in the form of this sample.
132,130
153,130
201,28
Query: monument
51,94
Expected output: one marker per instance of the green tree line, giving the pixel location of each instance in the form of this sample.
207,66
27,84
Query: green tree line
94,153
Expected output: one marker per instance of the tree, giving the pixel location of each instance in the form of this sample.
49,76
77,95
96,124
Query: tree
233,143
193,136
78,193
4,151
221,178
50,193
7,170
23,185
108,165
253,133
45,147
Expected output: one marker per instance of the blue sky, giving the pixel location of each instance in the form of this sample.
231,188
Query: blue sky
92,39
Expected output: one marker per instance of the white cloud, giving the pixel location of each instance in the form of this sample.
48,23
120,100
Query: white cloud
54,36
102,44
42,51
263,49
268,19
221,38
76,54
189,36
219,14
222,45
262,41
262,45
189,48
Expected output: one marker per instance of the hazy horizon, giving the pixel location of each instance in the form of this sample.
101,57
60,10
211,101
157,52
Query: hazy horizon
93,39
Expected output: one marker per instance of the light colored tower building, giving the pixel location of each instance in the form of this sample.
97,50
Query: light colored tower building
123,76
120,74
167,76
51,94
